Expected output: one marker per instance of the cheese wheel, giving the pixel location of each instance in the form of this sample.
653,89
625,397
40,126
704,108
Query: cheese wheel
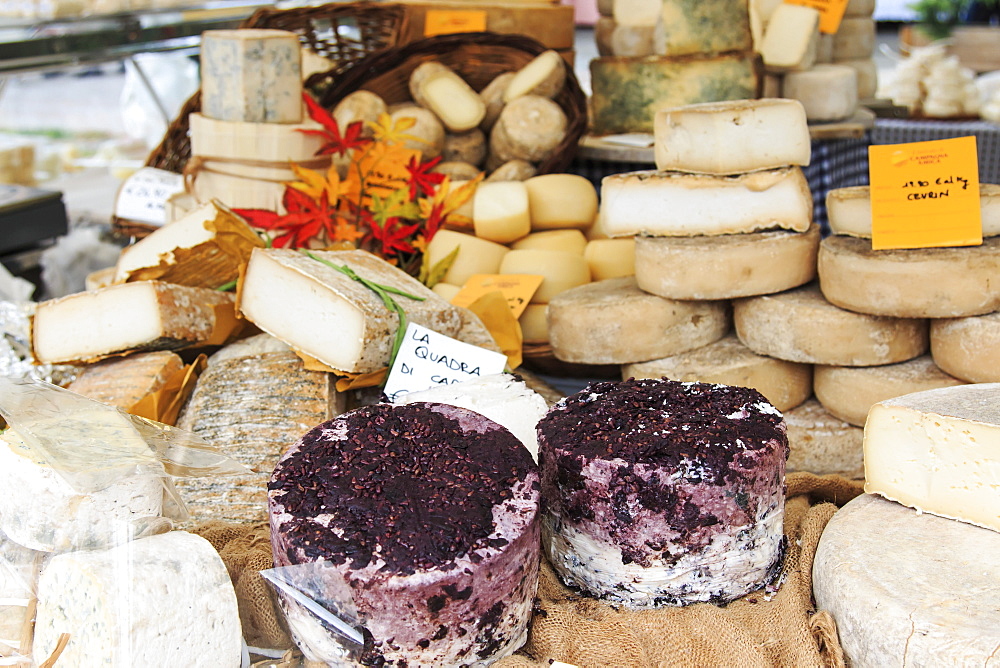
544,75
534,323
453,100
559,240
854,39
262,142
726,266
827,92
500,211
822,444
801,326
610,258
790,38
467,147
968,348
866,72
513,170
428,132
629,41
614,322
419,75
849,392
636,12
475,255
361,105
492,96
729,362
460,171
561,270
916,283
530,128
561,200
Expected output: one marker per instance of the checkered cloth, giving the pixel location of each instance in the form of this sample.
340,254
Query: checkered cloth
987,134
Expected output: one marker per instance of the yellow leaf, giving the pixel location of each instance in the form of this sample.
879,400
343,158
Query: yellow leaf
388,132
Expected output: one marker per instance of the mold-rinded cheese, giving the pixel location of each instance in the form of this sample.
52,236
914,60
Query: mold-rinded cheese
534,323
561,270
156,601
614,322
560,201
732,137
726,266
801,326
326,315
251,75
361,105
867,75
627,92
529,128
850,210
240,140
854,39
123,382
729,362
938,451
912,283
674,204
427,134
19,568
544,75
968,348
907,588
822,444
610,258
790,38
145,315
453,100
688,27
475,255
492,96
827,92
849,392
500,211
572,241
422,73
468,147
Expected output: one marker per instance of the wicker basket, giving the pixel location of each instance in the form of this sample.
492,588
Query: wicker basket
478,58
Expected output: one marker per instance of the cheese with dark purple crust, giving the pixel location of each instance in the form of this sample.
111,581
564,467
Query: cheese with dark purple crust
428,514
657,492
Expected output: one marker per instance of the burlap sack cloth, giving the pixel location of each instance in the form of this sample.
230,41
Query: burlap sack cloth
761,629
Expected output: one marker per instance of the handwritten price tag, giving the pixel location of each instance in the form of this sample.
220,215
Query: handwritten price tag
517,289
444,22
143,196
831,12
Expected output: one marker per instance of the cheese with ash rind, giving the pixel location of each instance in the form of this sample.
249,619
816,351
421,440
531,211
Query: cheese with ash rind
123,382
475,255
910,283
561,270
561,200
610,258
251,75
801,326
500,211
726,266
675,204
790,38
732,137
702,26
938,451
161,600
907,588
968,348
850,392
827,92
614,322
823,444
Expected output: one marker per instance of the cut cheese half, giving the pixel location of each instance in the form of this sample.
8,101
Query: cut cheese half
968,348
822,444
123,382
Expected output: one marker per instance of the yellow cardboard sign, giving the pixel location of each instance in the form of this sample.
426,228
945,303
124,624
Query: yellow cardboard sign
830,12
445,22
517,289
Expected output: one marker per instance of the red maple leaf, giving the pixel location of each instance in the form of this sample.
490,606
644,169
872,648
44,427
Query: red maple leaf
422,180
335,142
393,236
303,220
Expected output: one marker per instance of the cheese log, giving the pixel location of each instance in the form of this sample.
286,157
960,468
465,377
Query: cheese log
492,96
968,348
827,92
513,170
543,75
130,317
475,255
360,106
322,313
729,362
453,101
529,128
855,38
801,326
627,92
849,392
571,241
561,200
915,283
614,322
561,270
251,75
428,132
123,382
823,444
726,266
731,137
242,140
674,204
467,147
790,38
610,258
686,27
161,600
866,72
422,73
926,580
500,211
534,323
19,568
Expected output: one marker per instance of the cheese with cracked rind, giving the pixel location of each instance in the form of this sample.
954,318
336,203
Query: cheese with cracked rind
561,270
827,92
475,255
561,200
968,348
790,38
823,444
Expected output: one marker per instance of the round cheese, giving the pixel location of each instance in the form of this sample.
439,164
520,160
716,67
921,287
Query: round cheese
513,170
428,132
801,326
457,171
475,255
859,8
968,348
823,444
855,38
453,101
534,323
561,200
614,322
492,96
544,75
500,211
915,283
610,258
446,291
564,240
849,392
827,92
529,128
361,105
561,270
420,74
729,362
467,147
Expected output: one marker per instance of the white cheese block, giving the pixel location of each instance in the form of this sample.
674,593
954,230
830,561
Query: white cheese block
866,71
500,211
694,27
674,204
732,137
790,38
968,348
251,75
610,258
827,92
938,451
855,38
849,392
453,100
214,182
475,255
572,241
322,313
268,142
801,326
544,75
534,323
614,322
907,588
822,444
561,200
726,266
915,283
561,270
165,600
728,362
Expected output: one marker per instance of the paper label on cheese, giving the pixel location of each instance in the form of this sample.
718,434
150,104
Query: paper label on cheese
517,289
925,194
830,12
427,359
444,22
143,196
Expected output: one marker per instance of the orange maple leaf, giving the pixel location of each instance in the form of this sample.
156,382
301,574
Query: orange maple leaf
314,184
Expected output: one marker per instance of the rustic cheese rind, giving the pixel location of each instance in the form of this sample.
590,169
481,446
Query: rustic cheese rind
823,444
686,27
827,92
614,322
801,326
123,382
726,266
543,75
855,38
968,348
529,127
359,106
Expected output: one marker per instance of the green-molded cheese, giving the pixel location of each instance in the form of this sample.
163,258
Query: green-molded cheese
703,26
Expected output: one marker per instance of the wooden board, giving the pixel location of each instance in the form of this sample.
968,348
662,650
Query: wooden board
550,24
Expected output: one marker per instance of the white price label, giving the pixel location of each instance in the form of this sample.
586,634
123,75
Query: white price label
144,195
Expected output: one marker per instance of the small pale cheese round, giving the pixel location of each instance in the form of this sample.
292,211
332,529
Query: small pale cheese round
561,200
729,362
500,211
453,100
513,170
467,147
534,323
822,444
462,171
855,38
849,392
428,131
419,75
610,258
561,270
827,92
867,75
475,255
913,283
529,128
726,266
361,105
572,241
492,96
801,326
446,291
614,322
544,75
968,348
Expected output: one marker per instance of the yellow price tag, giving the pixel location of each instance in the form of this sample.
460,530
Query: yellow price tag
830,12
445,22
517,289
